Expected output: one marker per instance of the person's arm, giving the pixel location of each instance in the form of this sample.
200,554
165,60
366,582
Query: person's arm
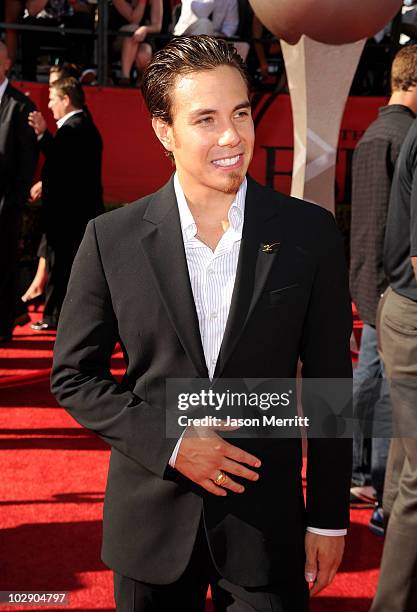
81,379
35,6
156,22
230,23
414,264
413,217
325,354
46,142
132,15
28,152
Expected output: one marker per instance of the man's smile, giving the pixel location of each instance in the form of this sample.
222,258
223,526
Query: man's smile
228,162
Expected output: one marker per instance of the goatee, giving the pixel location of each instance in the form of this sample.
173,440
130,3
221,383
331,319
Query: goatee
234,182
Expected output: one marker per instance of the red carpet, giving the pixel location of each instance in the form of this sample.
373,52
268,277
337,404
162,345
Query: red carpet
51,493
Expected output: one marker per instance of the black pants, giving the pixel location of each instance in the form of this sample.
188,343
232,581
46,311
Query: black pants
188,593
10,304
59,260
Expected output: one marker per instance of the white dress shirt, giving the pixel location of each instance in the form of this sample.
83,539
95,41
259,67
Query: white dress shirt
212,278
65,118
3,87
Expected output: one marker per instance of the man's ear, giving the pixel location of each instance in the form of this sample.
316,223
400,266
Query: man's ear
67,101
163,132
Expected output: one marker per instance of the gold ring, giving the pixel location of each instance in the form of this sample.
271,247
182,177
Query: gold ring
221,479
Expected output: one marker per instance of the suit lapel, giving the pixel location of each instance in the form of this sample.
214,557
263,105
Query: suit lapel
5,104
164,249
254,264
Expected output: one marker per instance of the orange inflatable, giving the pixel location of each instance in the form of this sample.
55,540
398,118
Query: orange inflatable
334,22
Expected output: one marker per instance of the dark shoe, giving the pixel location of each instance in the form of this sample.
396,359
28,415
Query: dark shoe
22,320
19,321
376,524
42,326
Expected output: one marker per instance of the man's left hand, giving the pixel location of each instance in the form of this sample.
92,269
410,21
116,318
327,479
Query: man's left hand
323,557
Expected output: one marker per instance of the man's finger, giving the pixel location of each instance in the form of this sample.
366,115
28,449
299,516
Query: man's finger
212,488
310,568
230,484
238,469
233,452
323,580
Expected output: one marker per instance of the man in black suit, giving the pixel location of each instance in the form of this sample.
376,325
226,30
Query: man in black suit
212,277
71,187
18,157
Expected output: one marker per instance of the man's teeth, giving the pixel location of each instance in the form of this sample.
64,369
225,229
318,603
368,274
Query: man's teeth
230,161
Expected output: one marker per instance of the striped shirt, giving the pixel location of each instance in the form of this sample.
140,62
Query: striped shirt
212,273
212,277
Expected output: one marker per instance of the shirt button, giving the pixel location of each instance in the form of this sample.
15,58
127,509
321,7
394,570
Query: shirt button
210,271
213,315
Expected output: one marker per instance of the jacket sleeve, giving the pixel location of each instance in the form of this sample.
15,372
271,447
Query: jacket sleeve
28,152
46,143
325,354
81,378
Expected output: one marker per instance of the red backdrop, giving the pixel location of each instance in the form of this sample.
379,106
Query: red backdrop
134,163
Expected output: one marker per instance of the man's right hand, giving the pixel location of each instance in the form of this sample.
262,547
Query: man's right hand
203,454
37,121
36,192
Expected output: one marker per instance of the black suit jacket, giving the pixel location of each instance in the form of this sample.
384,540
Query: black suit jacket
130,283
18,150
71,179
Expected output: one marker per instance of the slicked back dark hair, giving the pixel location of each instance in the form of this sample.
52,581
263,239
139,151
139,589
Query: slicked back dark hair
184,55
69,86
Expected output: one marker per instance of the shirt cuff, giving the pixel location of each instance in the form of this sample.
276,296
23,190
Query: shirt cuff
173,457
327,532
40,136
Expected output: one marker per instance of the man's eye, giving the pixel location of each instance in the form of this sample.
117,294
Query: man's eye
242,114
206,120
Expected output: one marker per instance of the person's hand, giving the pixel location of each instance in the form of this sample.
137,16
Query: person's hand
140,34
323,557
36,192
203,454
37,121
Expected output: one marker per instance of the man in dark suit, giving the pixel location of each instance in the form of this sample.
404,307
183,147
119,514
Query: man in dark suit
212,277
18,157
71,187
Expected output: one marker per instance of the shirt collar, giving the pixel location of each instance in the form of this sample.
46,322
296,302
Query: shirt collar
396,108
65,118
3,88
235,215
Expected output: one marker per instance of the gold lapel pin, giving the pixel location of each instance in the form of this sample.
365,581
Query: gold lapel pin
270,248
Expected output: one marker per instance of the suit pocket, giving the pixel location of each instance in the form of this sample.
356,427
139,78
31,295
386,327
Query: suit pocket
276,296
400,328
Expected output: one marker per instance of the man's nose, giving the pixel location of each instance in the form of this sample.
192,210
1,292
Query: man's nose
229,137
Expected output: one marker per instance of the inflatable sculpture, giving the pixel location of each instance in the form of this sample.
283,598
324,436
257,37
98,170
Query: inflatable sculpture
322,41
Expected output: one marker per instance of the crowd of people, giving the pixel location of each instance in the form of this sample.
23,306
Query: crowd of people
146,25
383,272
76,144
143,26
383,244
